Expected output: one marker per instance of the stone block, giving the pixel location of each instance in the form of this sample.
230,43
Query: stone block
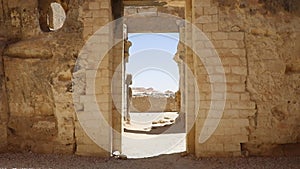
219,35
218,147
230,44
239,70
203,3
243,105
232,96
233,78
240,122
237,87
204,19
245,96
210,27
105,4
232,61
215,18
102,13
94,5
238,52
232,131
246,113
210,10
232,147
243,138
91,150
236,36
231,114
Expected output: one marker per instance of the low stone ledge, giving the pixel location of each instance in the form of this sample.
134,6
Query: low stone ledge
30,49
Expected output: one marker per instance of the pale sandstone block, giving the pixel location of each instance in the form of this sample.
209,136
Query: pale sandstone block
236,36
230,44
199,12
231,114
215,18
240,122
219,35
203,3
204,19
210,10
245,96
100,13
232,61
225,123
210,27
94,5
234,78
215,147
217,78
246,113
238,87
238,52
232,96
232,147
99,22
105,4
239,70
241,138
219,87
243,105
232,131
219,132
87,14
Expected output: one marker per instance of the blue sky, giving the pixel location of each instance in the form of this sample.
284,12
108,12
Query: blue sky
151,61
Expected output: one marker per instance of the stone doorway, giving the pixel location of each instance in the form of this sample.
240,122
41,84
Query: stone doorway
135,14
153,124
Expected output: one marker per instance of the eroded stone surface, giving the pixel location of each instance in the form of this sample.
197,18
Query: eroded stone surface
259,50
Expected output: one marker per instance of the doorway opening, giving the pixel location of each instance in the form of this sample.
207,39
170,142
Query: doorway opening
152,122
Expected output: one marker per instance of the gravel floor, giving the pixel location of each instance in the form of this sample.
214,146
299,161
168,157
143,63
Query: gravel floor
30,160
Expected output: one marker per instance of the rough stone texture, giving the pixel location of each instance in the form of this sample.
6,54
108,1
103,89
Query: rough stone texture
153,104
3,103
38,70
259,50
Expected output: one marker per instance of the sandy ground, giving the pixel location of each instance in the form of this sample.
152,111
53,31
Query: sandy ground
30,160
162,140
144,145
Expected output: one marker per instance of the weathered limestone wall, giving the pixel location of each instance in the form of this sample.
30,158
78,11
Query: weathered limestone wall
274,82
259,53
94,15
259,50
38,70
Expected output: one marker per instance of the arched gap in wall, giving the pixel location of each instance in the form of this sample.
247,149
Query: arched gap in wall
52,15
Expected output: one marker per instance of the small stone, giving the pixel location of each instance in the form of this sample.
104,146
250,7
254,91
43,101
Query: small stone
235,28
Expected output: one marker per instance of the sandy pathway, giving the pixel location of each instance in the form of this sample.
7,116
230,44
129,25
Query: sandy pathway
163,162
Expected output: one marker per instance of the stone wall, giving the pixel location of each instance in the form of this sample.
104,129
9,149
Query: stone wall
259,49
3,103
154,104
